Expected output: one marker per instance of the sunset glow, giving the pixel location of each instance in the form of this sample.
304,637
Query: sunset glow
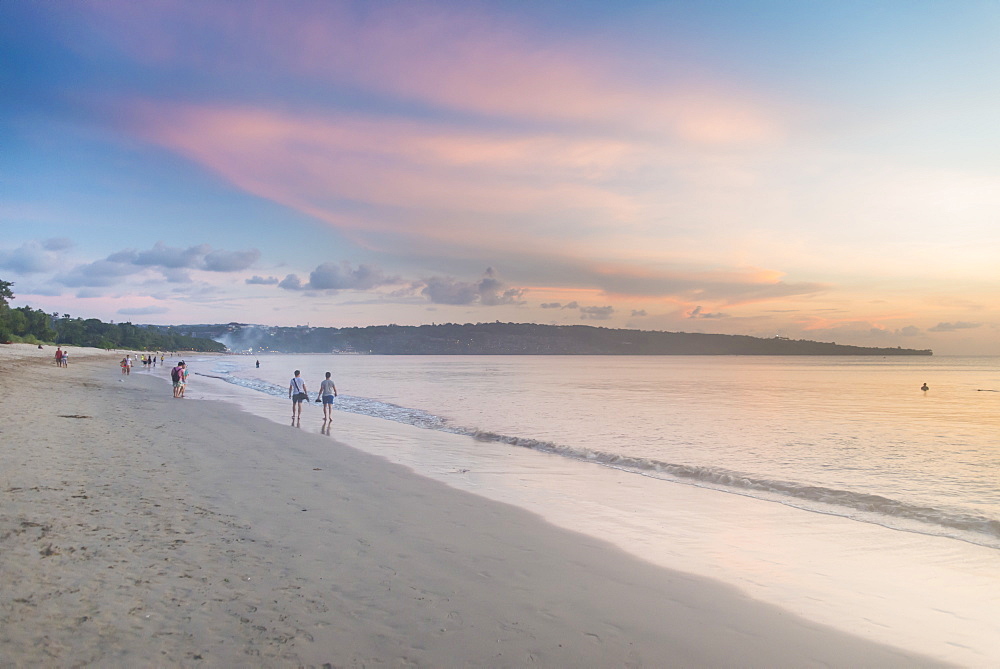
805,170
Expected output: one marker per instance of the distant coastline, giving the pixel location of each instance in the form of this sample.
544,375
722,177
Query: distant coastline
511,339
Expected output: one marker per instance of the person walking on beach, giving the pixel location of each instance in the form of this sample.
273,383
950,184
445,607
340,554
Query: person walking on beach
297,391
59,355
64,360
327,391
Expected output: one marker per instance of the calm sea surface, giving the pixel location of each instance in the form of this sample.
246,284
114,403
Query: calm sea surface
851,436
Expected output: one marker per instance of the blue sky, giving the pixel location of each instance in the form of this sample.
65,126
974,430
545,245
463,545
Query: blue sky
818,170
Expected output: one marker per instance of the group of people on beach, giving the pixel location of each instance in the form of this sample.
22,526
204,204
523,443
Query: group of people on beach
178,375
148,362
298,393
62,357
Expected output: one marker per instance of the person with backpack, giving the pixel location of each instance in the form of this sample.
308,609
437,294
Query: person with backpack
178,376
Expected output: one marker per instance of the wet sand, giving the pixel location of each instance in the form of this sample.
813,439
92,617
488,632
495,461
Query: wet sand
141,530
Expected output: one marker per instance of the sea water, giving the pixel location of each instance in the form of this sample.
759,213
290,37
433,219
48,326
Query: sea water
834,486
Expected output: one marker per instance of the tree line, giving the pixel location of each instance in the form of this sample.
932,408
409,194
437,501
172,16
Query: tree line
34,326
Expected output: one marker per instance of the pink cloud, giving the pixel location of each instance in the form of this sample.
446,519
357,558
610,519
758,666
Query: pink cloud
456,59
440,176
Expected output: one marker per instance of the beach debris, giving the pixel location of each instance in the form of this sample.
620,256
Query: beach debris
76,415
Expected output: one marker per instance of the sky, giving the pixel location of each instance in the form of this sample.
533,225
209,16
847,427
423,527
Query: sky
813,170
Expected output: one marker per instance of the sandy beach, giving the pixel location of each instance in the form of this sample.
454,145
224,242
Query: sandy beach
141,530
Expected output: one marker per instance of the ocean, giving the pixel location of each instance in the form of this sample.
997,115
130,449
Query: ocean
815,483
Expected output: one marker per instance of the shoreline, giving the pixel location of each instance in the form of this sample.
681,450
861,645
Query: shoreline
853,576
136,529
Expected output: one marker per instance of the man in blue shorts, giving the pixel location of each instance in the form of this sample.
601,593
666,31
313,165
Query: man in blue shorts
327,391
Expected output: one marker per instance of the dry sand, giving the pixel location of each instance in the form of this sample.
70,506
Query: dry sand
141,530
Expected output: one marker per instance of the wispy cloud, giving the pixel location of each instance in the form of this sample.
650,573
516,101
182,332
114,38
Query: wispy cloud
172,262
953,327
462,59
194,257
143,311
427,177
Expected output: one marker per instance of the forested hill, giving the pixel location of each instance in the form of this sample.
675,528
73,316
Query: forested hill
34,326
511,339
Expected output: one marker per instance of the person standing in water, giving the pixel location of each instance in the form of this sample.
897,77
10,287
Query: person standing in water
298,394
327,391
179,376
